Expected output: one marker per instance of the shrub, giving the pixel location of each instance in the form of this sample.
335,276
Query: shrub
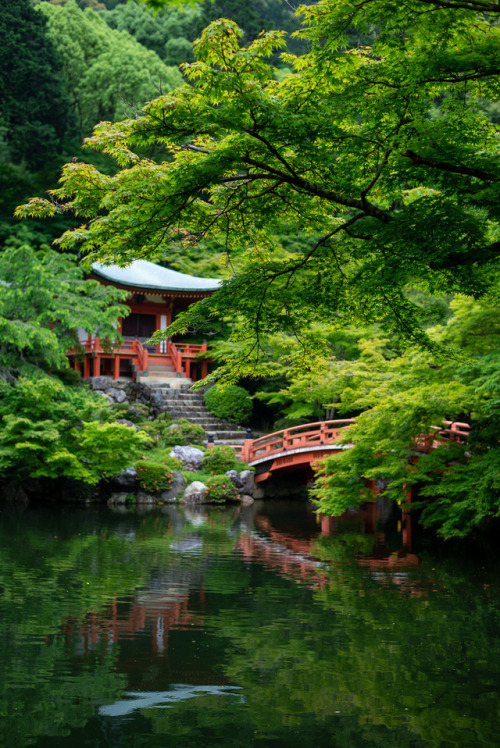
231,402
68,376
220,489
218,460
154,477
166,433
137,413
162,457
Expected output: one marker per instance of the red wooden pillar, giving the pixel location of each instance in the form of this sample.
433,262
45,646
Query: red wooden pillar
204,369
116,367
97,358
86,367
326,526
371,518
406,519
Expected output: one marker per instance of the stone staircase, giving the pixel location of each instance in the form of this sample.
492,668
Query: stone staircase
163,375
181,402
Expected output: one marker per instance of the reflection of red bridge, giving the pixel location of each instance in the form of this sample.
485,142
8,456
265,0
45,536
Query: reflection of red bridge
300,446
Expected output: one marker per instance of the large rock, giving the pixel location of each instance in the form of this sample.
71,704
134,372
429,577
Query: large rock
145,498
246,500
235,478
118,396
130,424
157,403
194,493
126,480
248,485
100,383
121,497
176,489
189,456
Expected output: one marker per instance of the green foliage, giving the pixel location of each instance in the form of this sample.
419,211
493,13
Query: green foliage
162,457
43,299
344,150
50,430
218,460
231,402
107,72
107,448
154,477
201,475
168,433
35,109
136,412
402,399
174,28
221,489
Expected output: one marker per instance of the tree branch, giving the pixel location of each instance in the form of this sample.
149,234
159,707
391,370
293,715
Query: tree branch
434,163
300,183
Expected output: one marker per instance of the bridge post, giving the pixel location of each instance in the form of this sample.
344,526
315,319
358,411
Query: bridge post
247,446
287,439
322,432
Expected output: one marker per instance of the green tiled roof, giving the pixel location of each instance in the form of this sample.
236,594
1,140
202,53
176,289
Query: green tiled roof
144,274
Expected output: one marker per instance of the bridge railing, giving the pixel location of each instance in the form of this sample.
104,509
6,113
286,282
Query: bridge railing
453,431
321,433
305,436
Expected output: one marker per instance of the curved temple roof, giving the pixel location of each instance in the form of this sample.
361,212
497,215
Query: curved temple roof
144,274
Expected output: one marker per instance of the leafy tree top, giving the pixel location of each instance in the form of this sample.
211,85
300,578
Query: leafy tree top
380,154
108,73
34,112
44,298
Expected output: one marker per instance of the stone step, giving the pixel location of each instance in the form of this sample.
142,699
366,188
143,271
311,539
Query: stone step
180,395
228,443
184,384
160,367
176,383
176,397
238,435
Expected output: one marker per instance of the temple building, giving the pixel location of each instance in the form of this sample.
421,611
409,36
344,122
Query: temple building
157,295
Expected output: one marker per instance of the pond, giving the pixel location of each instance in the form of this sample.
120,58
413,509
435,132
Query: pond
240,626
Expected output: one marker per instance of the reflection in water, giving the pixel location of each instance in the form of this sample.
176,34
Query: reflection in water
247,623
163,699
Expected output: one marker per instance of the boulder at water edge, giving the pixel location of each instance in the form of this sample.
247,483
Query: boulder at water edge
176,489
194,493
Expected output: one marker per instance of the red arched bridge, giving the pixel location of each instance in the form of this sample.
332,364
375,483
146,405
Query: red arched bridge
300,446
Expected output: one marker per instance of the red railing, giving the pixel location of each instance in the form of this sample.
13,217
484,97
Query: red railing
182,354
142,355
306,436
175,355
454,431
191,350
324,433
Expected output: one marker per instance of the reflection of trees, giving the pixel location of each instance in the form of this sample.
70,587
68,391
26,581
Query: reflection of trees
333,654
60,580
358,650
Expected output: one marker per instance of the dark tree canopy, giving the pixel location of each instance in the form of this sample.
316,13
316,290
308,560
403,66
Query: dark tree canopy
35,109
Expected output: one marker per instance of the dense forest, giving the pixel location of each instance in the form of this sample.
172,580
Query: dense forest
341,169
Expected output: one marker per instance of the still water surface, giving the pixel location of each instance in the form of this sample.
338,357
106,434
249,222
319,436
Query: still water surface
240,627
